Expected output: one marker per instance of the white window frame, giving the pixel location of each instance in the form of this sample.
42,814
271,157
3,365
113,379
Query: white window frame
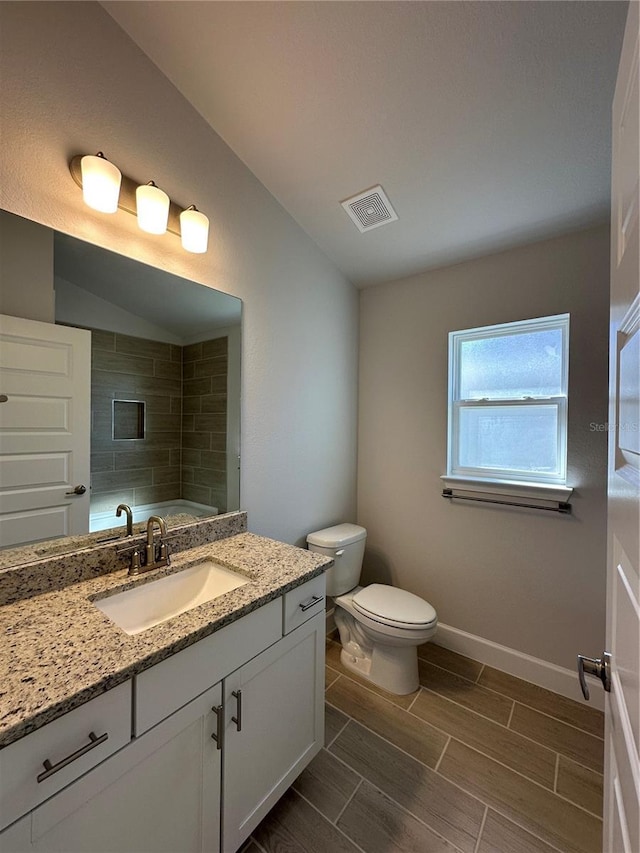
456,404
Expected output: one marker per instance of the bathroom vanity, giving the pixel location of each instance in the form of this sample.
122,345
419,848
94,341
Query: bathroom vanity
179,737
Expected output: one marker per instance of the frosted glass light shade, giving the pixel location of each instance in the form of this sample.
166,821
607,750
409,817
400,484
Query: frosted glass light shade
194,231
100,183
152,205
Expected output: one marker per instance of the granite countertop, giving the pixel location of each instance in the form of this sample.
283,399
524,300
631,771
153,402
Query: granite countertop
59,651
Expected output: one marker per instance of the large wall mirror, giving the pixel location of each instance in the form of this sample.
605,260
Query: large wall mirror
155,406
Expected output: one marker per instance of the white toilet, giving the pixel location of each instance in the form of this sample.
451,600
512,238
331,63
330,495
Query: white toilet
380,626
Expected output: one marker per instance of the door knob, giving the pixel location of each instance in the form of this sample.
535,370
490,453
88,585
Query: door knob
77,490
600,667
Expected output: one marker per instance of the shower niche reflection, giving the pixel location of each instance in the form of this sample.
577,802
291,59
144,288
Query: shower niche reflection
127,420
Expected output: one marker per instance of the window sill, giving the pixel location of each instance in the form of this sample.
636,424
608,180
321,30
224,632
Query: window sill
509,488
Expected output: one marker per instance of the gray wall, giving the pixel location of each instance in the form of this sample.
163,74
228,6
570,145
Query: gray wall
73,82
26,269
528,580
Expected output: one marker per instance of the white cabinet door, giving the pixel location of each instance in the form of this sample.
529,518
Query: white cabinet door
160,794
277,702
17,837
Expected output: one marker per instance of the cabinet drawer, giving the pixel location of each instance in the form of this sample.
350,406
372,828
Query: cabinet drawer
173,682
302,603
70,746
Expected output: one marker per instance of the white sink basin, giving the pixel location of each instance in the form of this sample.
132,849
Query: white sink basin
147,605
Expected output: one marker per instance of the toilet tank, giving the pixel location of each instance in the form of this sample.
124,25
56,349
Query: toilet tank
345,544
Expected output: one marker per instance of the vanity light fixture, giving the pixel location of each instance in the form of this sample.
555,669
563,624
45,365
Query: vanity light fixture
152,205
154,209
194,230
100,183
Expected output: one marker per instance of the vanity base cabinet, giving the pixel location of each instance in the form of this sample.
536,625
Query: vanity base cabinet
277,700
201,779
159,794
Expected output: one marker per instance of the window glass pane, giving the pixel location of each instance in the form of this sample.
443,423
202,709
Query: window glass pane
515,438
527,364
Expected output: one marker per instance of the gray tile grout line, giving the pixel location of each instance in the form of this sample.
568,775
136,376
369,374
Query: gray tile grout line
555,775
413,701
456,785
477,714
388,797
386,740
451,737
513,707
512,699
326,819
447,735
342,728
513,731
444,749
348,800
413,758
549,844
481,830
327,686
582,808
558,720
522,776
568,757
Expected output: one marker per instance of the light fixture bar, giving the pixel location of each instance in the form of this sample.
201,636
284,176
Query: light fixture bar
127,200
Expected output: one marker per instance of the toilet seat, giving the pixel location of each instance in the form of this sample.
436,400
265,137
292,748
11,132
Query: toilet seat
394,607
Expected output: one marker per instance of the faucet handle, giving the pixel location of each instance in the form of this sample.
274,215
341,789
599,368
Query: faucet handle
135,562
164,554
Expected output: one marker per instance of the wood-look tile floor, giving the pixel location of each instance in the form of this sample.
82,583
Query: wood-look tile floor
475,761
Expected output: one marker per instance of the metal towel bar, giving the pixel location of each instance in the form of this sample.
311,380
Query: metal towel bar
562,506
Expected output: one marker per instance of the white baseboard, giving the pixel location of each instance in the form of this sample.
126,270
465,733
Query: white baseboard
540,672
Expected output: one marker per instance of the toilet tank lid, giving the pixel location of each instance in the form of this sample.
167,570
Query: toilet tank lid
337,536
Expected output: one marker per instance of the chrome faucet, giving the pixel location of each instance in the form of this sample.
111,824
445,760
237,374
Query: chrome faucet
127,511
156,559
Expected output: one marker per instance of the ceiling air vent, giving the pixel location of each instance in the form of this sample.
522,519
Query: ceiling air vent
370,209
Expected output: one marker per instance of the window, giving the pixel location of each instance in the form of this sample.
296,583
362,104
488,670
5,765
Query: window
508,401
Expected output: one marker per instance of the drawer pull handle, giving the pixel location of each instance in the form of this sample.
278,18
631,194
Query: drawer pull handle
50,769
315,599
218,711
238,720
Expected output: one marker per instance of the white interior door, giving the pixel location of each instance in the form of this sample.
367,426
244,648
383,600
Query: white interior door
622,744
45,388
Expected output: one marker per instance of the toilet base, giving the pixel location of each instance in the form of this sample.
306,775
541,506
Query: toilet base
394,668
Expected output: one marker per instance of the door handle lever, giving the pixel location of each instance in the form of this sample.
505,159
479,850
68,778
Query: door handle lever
599,667
77,490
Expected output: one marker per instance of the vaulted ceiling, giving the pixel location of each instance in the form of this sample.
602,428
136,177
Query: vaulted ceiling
486,123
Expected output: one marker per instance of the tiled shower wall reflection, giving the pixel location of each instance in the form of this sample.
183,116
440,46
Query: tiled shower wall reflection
204,423
148,470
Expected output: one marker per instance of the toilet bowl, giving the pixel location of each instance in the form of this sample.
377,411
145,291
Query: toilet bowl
380,626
